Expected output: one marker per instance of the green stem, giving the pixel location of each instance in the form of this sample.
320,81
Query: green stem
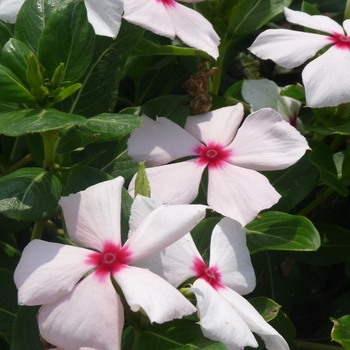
38,229
270,276
347,10
337,141
316,202
303,345
20,164
231,101
219,64
49,138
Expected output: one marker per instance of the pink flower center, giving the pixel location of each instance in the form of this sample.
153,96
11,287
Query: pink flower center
214,155
340,41
167,3
112,259
293,119
210,274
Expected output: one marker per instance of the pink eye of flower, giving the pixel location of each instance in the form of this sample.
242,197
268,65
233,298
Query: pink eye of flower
210,274
341,41
214,155
167,3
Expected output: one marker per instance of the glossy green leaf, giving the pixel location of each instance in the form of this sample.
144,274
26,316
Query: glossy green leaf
5,35
266,307
8,106
280,231
10,225
330,130
29,194
26,121
66,92
16,57
249,15
68,37
341,331
26,332
12,89
322,157
32,19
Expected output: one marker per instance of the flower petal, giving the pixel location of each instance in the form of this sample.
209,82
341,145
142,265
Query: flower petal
156,297
327,78
105,16
174,183
229,252
91,315
174,263
194,29
93,216
218,320
47,271
9,10
162,227
320,23
267,142
288,48
159,142
218,126
273,340
239,193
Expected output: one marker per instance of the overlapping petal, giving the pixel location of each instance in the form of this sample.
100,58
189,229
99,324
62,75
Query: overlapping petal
218,126
267,142
91,315
167,224
157,298
228,328
239,193
233,261
105,16
9,10
174,183
168,137
273,340
47,271
322,80
92,216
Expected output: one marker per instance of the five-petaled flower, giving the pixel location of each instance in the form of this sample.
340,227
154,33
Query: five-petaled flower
81,307
326,78
235,189
224,314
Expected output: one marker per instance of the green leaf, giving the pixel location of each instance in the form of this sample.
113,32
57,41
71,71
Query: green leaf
322,157
142,185
341,331
68,91
26,121
10,226
29,194
8,304
330,130
12,89
294,91
16,57
26,332
5,35
32,19
267,308
310,9
68,37
249,15
280,231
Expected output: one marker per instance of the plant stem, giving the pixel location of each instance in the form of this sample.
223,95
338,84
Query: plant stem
219,63
20,164
270,275
38,229
303,345
49,138
347,10
316,202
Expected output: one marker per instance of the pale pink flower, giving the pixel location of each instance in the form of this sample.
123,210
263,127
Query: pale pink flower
235,189
225,316
75,285
326,78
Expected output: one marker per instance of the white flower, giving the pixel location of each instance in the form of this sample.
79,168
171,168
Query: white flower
326,78
235,189
224,314
81,307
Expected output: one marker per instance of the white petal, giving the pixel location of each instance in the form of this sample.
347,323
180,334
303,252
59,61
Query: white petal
92,216
194,29
174,183
229,252
105,16
9,10
156,297
327,78
267,142
218,320
288,48
320,23
47,271
90,316
273,340
239,193
175,262
162,227
218,126
159,142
